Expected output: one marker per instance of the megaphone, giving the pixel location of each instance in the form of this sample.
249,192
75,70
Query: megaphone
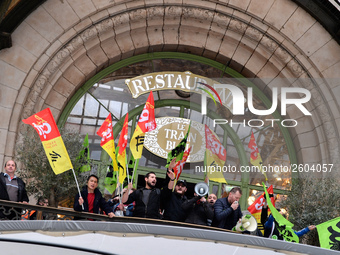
248,222
201,189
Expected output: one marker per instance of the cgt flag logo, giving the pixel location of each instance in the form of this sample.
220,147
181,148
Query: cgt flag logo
43,122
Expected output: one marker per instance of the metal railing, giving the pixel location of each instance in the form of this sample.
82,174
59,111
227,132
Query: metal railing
9,208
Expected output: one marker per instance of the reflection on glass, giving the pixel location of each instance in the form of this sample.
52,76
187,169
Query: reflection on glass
111,95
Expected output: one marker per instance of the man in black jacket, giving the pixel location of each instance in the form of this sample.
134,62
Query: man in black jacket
173,198
227,210
147,200
12,188
198,211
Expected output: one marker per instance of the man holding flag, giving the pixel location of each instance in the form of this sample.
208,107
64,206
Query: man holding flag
278,227
173,195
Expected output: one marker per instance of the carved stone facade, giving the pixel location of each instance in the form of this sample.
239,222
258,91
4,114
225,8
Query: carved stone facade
63,44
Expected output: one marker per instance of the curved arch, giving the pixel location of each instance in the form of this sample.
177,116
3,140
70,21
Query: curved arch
132,60
251,40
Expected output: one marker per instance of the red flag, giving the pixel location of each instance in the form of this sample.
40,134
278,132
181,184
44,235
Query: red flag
43,122
122,143
147,120
256,207
180,164
215,156
107,142
145,124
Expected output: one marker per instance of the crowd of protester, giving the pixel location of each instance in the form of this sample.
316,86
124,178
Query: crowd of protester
169,203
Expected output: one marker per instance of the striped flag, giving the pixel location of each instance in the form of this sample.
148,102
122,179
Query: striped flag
107,142
121,158
215,156
43,122
145,124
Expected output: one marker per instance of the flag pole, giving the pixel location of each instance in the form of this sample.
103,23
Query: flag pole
127,170
133,172
74,174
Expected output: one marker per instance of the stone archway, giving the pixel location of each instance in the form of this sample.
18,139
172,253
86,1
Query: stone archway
53,56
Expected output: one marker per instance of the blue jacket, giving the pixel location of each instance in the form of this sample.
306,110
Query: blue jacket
225,216
269,224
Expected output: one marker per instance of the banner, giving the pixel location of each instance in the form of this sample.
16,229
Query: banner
281,223
255,157
329,234
107,142
145,124
121,158
178,151
43,122
215,157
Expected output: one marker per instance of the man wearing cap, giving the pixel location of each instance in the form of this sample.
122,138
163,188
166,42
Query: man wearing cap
172,200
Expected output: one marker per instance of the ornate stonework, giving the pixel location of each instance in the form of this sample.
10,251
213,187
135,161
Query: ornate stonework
209,22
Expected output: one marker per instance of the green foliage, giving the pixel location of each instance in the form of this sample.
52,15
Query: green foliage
38,174
311,201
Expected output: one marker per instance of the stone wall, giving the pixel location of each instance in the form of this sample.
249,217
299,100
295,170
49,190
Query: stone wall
62,44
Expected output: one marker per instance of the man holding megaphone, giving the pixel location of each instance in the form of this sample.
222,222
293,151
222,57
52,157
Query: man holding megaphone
227,210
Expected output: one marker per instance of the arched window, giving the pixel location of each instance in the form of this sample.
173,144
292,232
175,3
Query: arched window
107,92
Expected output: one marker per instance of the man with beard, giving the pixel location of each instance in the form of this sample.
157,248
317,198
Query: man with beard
147,200
212,199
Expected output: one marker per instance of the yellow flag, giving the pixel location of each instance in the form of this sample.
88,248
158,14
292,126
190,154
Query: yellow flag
107,142
137,142
255,157
122,143
215,156
145,124
43,122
